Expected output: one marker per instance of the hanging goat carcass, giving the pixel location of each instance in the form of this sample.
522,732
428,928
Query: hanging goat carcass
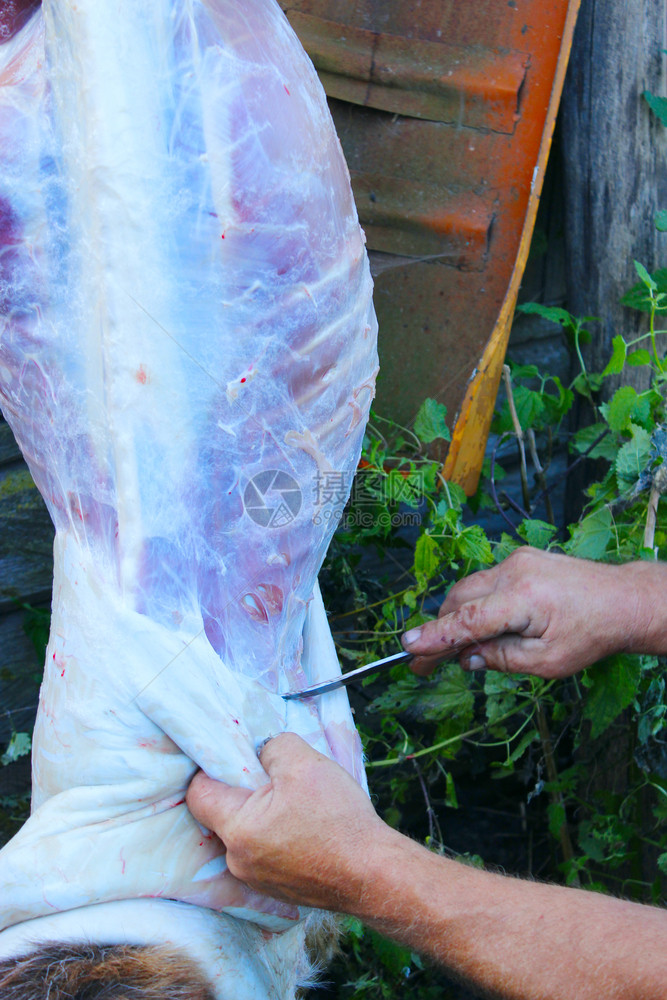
187,360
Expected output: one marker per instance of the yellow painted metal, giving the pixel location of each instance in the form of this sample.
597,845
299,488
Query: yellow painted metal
445,111
466,451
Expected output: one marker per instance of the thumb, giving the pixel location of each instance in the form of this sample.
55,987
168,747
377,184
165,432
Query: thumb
283,754
213,803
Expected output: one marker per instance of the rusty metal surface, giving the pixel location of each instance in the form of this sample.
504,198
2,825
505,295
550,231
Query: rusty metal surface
475,85
444,109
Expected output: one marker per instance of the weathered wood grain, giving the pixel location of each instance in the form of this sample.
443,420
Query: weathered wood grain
9,450
26,537
26,540
615,160
20,675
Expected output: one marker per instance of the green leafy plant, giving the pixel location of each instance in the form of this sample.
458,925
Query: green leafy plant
551,739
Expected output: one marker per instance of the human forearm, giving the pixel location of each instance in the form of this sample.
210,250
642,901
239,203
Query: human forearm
310,835
643,600
518,940
546,614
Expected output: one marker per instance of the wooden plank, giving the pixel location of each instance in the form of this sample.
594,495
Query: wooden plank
615,164
9,450
20,676
26,540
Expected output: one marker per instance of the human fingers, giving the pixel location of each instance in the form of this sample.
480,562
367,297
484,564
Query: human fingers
423,666
475,622
281,754
539,656
305,782
213,803
470,588
302,841
508,654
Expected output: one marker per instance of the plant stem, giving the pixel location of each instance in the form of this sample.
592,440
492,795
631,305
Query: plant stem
651,514
552,773
539,472
653,340
494,491
577,347
518,431
433,825
389,761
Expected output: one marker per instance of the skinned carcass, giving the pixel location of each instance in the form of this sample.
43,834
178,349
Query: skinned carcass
187,359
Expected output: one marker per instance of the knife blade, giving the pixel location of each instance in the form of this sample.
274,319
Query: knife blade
352,675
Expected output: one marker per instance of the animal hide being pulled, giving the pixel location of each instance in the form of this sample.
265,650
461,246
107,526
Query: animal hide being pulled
187,360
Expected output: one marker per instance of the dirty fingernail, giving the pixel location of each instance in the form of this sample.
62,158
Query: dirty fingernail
476,662
260,746
410,637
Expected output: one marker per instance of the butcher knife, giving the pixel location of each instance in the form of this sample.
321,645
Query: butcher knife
352,675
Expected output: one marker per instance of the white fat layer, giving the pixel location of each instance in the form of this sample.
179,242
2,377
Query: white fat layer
180,222
227,951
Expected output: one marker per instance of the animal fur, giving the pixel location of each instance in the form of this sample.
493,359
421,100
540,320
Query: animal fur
95,972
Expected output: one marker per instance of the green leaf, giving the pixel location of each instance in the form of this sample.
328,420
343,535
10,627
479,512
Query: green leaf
640,357
523,371
658,105
619,409
452,696
501,692
448,698
592,535
537,533
529,406
394,957
430,422
616,363
662,863
553,313
37,625
643,273
418,618
506,767
557,818
430,475
585,383
638,296
404,486
352,654
584,438
614,687
389,610
451,800
504,547
18,746
661,221
633,457
427,557
473,544
530,737
451,498
557,407
641,413
410,599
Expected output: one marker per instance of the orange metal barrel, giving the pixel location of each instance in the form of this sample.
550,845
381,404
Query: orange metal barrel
445,109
